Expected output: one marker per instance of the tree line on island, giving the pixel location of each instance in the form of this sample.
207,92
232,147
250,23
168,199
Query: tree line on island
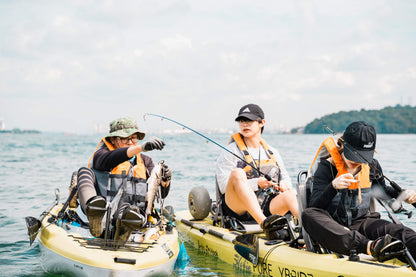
389,120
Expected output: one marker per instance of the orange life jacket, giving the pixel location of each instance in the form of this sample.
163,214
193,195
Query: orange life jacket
354,202
263,163
110,182
268,166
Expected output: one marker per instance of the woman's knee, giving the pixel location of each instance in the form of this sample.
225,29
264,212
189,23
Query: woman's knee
290,195
237,177
237,174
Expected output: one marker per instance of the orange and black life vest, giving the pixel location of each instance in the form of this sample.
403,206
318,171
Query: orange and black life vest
109,182
263,165
354,202
267,166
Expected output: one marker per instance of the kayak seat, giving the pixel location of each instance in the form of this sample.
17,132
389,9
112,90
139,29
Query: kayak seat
304,190
225,221
282,225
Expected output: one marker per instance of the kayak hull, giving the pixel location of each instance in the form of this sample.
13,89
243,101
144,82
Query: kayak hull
64,250
281,259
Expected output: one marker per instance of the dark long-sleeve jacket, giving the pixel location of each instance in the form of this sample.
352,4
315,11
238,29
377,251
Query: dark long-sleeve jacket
106,160
323,192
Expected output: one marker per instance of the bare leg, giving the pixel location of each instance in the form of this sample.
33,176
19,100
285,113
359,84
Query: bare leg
241,198
284,202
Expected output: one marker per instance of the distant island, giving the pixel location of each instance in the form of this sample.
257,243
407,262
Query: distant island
389,120
19,131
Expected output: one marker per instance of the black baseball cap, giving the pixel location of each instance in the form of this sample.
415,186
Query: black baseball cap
359,142
251,112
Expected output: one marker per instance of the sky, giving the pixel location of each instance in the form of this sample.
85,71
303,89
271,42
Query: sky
69,66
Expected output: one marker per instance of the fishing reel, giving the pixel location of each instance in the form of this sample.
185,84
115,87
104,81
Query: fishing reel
397,207
270,191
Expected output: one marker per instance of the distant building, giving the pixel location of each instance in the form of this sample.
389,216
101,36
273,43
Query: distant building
100,128
2,125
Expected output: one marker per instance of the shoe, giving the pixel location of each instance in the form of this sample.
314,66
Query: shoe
130,219
378,245
388,248
272,224
96,208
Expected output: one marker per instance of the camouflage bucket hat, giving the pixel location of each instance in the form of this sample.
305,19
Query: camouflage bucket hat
124,127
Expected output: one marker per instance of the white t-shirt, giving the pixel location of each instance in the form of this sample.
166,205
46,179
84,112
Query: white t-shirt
226,162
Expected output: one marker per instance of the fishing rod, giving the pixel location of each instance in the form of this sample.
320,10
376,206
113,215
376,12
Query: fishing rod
379,173
202,135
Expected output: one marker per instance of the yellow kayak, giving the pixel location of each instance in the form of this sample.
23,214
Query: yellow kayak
67,247
280,259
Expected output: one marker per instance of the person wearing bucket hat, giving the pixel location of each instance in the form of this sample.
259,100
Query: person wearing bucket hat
118,161
338,216
246,194
124,127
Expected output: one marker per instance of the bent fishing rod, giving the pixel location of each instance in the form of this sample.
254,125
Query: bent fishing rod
202,135
380,173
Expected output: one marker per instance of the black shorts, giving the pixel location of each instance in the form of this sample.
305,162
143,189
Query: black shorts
246,216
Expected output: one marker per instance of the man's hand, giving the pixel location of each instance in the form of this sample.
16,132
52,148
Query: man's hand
410,196
343,181
166,173
263,183
152,144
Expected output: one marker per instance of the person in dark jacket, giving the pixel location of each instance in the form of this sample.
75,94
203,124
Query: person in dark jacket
338,216
118,166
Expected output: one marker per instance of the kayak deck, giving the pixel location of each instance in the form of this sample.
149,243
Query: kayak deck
66,247
281,259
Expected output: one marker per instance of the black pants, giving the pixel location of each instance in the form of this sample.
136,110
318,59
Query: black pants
246,216
330,234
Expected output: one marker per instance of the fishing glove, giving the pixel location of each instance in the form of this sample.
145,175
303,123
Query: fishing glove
152,144
166,173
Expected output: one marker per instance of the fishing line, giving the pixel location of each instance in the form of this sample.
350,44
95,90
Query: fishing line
202,135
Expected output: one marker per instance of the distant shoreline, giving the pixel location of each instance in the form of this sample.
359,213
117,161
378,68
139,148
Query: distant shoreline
19,131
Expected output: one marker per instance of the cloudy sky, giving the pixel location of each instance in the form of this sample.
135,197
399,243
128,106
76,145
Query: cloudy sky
69,65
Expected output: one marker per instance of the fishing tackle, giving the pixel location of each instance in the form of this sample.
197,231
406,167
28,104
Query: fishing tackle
202,135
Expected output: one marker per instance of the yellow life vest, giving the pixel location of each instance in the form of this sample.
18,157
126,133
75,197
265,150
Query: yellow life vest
263,165
139,169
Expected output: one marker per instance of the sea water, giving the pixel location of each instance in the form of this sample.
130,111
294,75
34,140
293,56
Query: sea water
32,166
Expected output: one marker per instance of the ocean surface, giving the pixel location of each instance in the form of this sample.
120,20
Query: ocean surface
32,166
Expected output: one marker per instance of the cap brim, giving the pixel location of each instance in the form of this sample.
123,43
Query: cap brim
126,133
246,116
358,156
140,135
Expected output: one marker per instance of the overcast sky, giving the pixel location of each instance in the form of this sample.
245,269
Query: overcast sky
68,65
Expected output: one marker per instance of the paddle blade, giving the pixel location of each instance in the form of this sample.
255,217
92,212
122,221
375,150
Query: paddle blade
33,226
248,247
